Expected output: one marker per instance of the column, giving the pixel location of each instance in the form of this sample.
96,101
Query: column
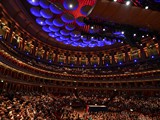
11,31
112,53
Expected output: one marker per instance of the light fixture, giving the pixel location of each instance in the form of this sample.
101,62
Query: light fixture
147,35
104,29
81,36
146,7
134,35
152,56
71,6
122,42
135,60
128,3
33,0
115,0
122,32
92,37
142,36
92,27
140,44
41,22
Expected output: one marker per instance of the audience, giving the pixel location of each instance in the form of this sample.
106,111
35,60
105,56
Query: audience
40,106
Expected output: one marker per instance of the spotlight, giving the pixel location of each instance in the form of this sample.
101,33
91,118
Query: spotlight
92,27
104,29
143,36
146,7
122,42
27,53
147,35
115,0
153,38
152,56
120,63
141,45
135,60
128,3
134,35
33,0
81,36
107,65
94,65
41,22
122,32
92,37
70,6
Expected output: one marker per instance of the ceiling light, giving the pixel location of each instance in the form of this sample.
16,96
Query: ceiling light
134,35
146,7
128,3
70,6
92,27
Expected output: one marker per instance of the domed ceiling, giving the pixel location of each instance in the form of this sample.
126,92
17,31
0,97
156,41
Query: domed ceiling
64,20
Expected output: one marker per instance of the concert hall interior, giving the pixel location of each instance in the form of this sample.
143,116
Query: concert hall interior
79,59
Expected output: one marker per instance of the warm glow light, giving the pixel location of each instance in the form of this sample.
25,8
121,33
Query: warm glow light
128,3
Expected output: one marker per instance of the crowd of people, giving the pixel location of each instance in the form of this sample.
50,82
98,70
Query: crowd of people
40,106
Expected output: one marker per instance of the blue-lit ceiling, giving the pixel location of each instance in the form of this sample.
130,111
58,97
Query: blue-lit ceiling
58,21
